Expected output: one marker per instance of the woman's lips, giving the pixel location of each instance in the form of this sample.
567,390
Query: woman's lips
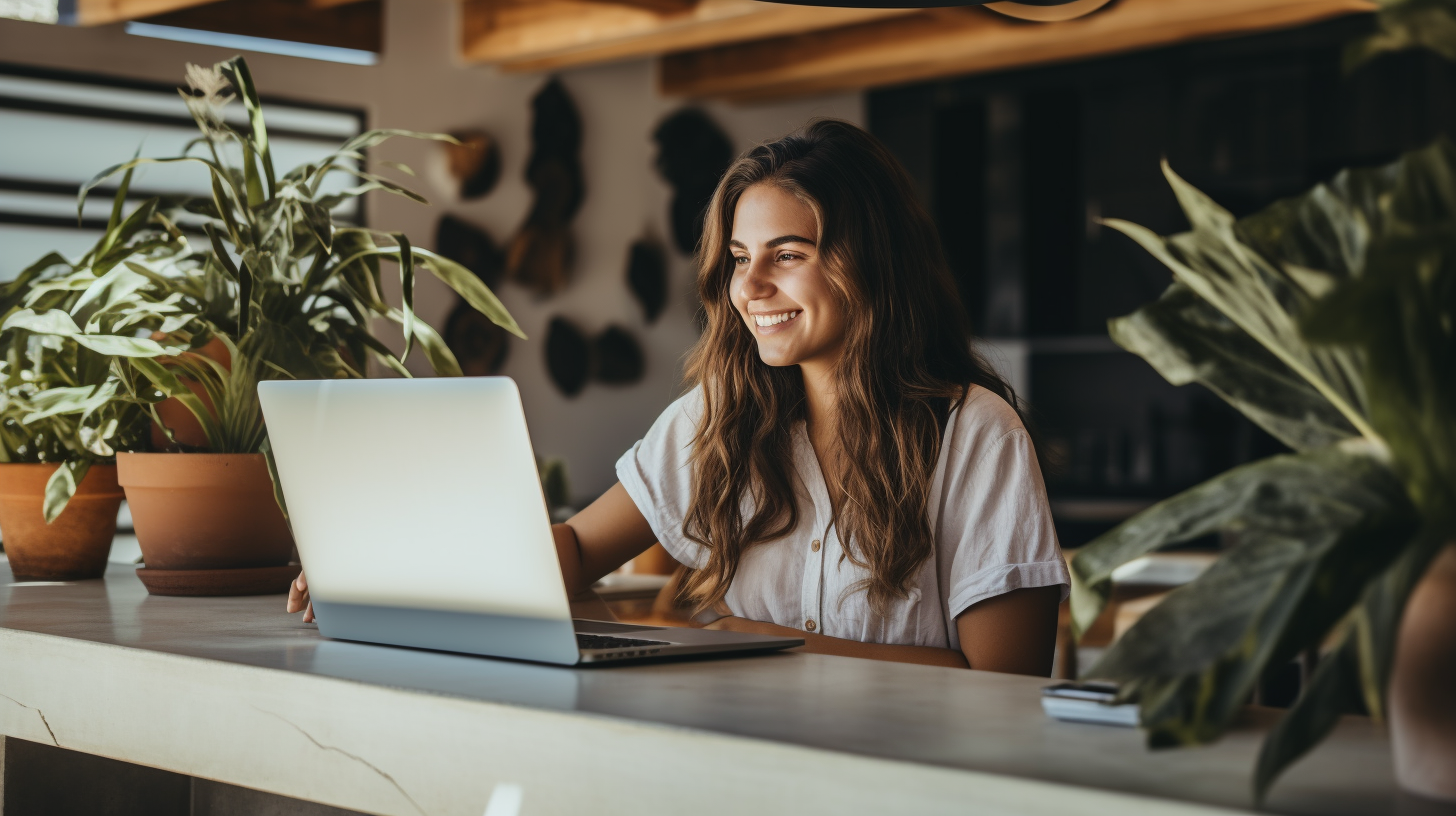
774,322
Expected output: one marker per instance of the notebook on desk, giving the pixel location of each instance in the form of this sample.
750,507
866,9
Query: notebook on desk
420,522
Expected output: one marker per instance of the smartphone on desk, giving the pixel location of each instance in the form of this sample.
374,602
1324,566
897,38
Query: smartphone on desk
1089,701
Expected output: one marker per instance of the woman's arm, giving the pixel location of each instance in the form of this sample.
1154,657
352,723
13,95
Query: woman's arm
608,533
1014,633
823,644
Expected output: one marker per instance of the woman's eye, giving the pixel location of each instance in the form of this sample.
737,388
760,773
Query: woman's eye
786,256
740,259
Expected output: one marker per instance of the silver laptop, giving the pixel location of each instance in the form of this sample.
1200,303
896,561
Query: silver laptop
420,521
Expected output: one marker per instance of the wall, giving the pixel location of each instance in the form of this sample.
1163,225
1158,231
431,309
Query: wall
420,84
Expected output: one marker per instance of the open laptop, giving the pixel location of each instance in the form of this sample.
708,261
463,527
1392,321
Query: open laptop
420,521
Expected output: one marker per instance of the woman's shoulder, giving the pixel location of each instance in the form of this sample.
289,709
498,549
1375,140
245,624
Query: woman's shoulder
985,415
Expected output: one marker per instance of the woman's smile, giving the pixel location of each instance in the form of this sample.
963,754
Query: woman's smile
774,322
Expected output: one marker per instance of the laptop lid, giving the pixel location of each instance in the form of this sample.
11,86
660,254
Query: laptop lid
418,514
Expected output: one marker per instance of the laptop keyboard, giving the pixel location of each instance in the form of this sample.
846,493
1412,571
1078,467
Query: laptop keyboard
607,642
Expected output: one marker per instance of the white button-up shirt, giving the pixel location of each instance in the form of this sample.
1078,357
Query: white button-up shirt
988,512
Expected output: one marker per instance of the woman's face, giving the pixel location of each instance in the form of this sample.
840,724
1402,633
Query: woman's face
778,286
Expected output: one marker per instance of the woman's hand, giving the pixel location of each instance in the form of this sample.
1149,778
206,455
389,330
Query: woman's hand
298,600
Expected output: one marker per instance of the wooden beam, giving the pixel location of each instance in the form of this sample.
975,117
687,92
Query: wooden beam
358,24
654,6
546,35
105,12
328,4
953,42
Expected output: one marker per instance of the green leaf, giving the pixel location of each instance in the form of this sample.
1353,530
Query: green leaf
469,286
1404,24
267,450
1331,692
236,71
1187,341
62,486
407,290
1312,529
371,138
1249,495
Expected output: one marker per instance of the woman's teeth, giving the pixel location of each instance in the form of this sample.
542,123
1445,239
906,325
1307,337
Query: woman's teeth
774,319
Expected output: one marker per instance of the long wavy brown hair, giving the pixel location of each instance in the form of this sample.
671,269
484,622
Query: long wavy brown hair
907,362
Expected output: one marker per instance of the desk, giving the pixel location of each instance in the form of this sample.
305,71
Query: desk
234,690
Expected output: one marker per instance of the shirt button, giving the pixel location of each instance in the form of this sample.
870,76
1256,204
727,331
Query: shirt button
810,625
814,545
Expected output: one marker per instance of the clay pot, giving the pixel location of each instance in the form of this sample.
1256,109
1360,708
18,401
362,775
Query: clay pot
1422,708
203,511
177,416
74,546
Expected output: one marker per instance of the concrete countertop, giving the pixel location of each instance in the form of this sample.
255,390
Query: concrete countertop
233,689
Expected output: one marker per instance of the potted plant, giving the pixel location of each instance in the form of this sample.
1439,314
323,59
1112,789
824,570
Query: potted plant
1330,321
266,285
62,420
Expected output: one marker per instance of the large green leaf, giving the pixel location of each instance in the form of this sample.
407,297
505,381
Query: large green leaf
1188,341
1311,533
1404,24
62,486
1256,294
1252,495
1356,669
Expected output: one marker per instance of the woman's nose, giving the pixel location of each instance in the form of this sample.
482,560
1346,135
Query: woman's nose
755,283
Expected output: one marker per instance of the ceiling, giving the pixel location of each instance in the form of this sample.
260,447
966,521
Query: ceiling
744,50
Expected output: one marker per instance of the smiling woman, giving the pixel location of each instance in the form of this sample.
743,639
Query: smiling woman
843,467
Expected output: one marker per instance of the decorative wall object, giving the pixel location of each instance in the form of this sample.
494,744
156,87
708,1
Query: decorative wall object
568,356
647,276
692,154
479,345
540,255
471,247
475,162
617,357
612,358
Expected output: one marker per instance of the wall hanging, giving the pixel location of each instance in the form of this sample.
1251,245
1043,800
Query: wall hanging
692,154
479,345
475,162
647,276
540,255
471,247
612,357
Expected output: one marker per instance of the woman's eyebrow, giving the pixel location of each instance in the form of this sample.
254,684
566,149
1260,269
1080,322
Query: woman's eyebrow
790,239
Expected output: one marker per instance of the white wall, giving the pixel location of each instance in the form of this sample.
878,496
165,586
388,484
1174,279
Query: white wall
420,84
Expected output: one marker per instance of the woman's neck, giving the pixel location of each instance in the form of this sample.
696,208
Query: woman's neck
820,400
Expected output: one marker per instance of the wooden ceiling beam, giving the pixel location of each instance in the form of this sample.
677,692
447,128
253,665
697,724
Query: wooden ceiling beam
546,35
654,6
106,12
953,42
358,24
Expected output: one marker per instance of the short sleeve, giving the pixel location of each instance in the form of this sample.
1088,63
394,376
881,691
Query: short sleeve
657,474
995,516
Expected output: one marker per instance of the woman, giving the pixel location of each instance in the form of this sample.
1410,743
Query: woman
844,469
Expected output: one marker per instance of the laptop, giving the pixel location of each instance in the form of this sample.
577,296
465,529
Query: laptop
420,520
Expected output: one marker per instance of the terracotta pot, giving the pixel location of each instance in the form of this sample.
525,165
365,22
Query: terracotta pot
75,545
199,511
1422,707
178,417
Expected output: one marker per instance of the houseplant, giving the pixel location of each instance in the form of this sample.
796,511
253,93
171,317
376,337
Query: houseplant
287,292
61,419
1328,320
